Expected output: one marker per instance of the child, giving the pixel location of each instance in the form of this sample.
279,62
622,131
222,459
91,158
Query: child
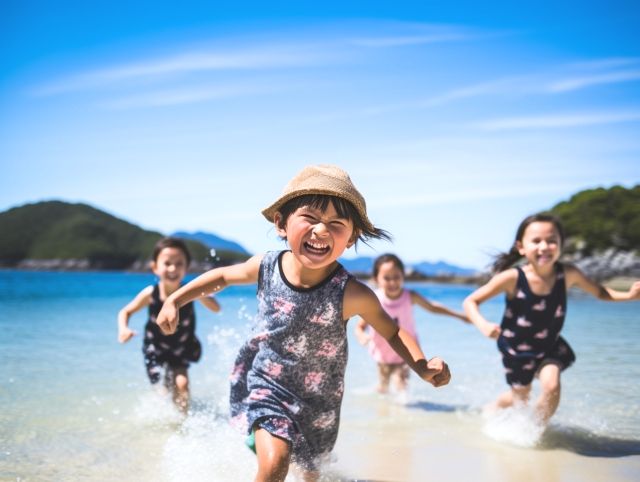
288,380
536,302
169,353
388,274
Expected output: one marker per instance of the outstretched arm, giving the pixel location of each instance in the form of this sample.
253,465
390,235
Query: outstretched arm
361,332
500,283
435,307
575,277
141,300
206,284
360,300
211,303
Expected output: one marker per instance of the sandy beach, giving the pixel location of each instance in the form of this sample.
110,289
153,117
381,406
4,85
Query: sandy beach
385,444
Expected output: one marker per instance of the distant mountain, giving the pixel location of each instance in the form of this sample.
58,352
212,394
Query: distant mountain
364,265
61,235
441,268
212,241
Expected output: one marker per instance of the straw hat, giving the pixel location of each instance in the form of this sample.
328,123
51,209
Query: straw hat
321,179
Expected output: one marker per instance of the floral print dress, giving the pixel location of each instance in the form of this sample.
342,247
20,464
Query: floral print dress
289,376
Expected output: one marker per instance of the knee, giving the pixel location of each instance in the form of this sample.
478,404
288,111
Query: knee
550,385
182,383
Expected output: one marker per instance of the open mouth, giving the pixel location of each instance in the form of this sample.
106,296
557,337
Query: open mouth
317,248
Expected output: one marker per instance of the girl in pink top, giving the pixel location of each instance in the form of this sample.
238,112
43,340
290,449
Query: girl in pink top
388,274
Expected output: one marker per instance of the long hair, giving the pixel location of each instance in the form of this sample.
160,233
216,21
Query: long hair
504,261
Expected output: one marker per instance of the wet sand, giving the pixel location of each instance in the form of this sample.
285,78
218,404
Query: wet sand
393,443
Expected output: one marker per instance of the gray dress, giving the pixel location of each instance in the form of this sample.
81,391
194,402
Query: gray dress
288,377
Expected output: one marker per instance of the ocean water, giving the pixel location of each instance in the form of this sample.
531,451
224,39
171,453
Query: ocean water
76,405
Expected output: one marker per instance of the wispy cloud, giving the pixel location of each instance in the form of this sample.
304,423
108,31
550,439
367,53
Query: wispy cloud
557,121
405,40
187,63
467,195
180,96
576,83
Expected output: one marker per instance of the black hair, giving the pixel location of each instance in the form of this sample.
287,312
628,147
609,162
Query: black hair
344,209
504,261
385,258
171,242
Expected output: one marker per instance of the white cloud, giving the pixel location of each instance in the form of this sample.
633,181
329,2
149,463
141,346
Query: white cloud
180,96
576,83
187,63
556,121
405,40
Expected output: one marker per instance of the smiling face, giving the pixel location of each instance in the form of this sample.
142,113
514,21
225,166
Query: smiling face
317,237
390,279
540,244
170,266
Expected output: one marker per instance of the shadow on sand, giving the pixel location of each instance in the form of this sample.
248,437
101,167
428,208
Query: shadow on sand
583,442
435,407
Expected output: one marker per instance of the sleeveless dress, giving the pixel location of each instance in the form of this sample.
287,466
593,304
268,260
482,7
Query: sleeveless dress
401,311
531,327
169,351
288,377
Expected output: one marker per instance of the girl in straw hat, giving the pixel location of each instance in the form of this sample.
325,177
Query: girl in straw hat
288,379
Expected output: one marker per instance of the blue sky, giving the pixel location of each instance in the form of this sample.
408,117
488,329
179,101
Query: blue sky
454,121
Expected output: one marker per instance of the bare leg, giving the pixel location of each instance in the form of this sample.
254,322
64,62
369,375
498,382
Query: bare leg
515,396
384,375
273,457
549,399
179,385
400,374
305,475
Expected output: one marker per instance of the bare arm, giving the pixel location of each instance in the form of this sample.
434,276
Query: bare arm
500,283
210,282
435,307
575,277
360,330
211,303
360,300
141,300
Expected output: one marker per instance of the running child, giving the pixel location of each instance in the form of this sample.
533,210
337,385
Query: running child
288,379
167,357
397,301
536,303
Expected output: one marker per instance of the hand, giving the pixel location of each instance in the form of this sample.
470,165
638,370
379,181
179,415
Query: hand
435,371
634,291
491,330
125,334
168,318
362,337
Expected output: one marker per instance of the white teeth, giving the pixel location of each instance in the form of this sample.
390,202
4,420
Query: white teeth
318,245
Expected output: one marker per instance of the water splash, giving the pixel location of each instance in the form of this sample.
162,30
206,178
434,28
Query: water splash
207,448
515,425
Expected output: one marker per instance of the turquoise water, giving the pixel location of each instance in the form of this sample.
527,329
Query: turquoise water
75,404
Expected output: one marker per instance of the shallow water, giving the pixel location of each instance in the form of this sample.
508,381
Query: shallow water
75,404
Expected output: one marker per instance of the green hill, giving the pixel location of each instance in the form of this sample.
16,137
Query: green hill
56,230
597,219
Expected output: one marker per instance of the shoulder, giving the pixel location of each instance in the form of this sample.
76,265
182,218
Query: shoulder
414,296
358,297
148,291
572,274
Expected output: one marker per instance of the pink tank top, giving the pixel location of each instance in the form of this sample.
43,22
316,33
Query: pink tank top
401,310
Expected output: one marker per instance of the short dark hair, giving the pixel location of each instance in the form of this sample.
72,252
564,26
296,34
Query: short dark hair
385,258
344,209
171,242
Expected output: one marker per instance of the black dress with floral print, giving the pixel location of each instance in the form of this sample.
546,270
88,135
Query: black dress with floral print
289,376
